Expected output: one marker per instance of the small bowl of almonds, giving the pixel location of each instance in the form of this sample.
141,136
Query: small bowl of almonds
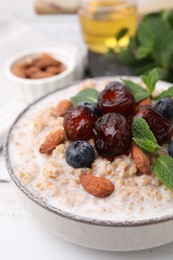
36,72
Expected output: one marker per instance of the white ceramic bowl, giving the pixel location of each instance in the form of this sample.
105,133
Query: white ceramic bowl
30,89
94,233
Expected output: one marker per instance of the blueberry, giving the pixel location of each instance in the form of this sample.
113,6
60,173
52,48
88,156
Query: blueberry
165,107
91,106
170,149
80,154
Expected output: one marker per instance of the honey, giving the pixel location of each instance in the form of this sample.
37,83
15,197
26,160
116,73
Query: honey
101,20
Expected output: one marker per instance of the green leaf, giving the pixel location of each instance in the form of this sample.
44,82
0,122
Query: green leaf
86,95
166,93
146,144
152,15
143,136
126,55
145,36
166,15
138,92
169,17
141,129
163,47
163,169
144,67
142,52
110,52
151,46
121,33
151,79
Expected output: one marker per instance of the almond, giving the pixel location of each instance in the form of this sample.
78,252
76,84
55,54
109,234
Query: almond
45,61
56,70
141,160
19,70
31,70
145,102
62,107
97,186
41,74
51,141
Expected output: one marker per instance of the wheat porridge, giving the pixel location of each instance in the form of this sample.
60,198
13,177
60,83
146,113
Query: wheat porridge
130,192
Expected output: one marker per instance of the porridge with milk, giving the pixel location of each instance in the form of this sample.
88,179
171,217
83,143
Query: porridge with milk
82,159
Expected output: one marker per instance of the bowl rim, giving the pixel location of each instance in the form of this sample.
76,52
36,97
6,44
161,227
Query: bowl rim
59,212
62,56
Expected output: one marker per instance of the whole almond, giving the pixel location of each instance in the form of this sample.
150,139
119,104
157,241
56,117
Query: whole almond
62,107
31,70
145,102
19,70
97,186
51,141
41,74
141,160
56,69
45,61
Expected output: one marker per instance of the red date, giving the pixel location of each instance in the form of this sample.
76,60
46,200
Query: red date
79,122
112,135
159,125
117,98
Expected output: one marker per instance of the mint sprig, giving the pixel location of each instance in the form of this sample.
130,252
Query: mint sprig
151,46
163,169
86,95
145,37
152,78
150,81
138,92
145,139
143,136
166,93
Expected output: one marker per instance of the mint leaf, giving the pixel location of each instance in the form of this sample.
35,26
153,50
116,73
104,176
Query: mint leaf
141,129
163,169
151,79
146,144
86,95
143,136
138,92
163,48
145,36
168,15
144,68
126,55
166,93
121,33
151,46
141,95
142,52
109,52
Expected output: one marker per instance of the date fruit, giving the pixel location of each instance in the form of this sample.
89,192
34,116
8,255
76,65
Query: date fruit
159,125
79,122
117,98
112,135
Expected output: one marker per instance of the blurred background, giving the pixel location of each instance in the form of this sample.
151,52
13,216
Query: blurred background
25,25
15,6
